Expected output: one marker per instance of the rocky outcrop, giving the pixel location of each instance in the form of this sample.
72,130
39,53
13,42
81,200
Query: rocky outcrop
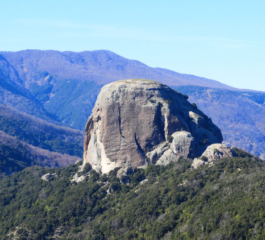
212,153
139,122
46,177
197,162
77,178
218,151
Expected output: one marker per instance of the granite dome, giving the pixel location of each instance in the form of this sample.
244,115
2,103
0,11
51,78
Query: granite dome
138,122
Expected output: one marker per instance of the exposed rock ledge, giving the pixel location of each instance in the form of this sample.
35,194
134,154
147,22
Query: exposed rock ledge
139,122
46,177
212,153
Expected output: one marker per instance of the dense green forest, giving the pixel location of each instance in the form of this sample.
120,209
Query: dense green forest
20,133
49,139
13,159
223,201
16,155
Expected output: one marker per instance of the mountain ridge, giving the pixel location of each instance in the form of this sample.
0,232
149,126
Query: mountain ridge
105,56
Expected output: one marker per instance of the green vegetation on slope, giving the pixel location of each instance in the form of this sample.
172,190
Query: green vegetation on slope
17,96
70,100
40,133
10,86
13,159
223,201
16,155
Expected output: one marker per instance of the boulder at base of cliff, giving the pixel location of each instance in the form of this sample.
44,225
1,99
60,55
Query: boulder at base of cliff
218,151
212,153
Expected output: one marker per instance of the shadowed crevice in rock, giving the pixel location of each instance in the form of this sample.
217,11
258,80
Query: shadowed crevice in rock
119,118
139,148
88,128
160,121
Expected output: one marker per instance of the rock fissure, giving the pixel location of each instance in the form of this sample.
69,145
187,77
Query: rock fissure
139,148
119,119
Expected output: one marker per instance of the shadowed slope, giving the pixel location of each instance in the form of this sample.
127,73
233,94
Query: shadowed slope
16,155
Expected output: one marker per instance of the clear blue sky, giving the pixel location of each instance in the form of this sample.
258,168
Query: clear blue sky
221,40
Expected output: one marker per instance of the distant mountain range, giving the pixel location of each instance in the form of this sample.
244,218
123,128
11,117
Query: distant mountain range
61,87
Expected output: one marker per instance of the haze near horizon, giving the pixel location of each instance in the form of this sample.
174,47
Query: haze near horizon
223,41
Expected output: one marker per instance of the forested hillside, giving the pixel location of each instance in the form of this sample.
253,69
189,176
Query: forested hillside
40,133
223,201
26,141
16,155
14,94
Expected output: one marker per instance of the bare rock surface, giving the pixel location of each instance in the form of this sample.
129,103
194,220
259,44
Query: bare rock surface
167,158
212,153
197,162
182,143
46,177
138,122
124,171
218,151
158,152
77,178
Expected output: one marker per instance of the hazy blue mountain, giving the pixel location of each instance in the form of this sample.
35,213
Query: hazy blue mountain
100,66
63,86
14,94
67,83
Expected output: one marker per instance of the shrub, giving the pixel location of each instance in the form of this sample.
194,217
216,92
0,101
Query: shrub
160,105
194,105
205,159
87,168
94,176
169,138
241,153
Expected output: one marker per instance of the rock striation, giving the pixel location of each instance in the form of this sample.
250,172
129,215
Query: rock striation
138,122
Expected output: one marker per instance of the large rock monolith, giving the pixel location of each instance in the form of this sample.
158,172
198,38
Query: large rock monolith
139,122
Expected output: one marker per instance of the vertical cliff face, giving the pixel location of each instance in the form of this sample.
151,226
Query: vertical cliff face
139,122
